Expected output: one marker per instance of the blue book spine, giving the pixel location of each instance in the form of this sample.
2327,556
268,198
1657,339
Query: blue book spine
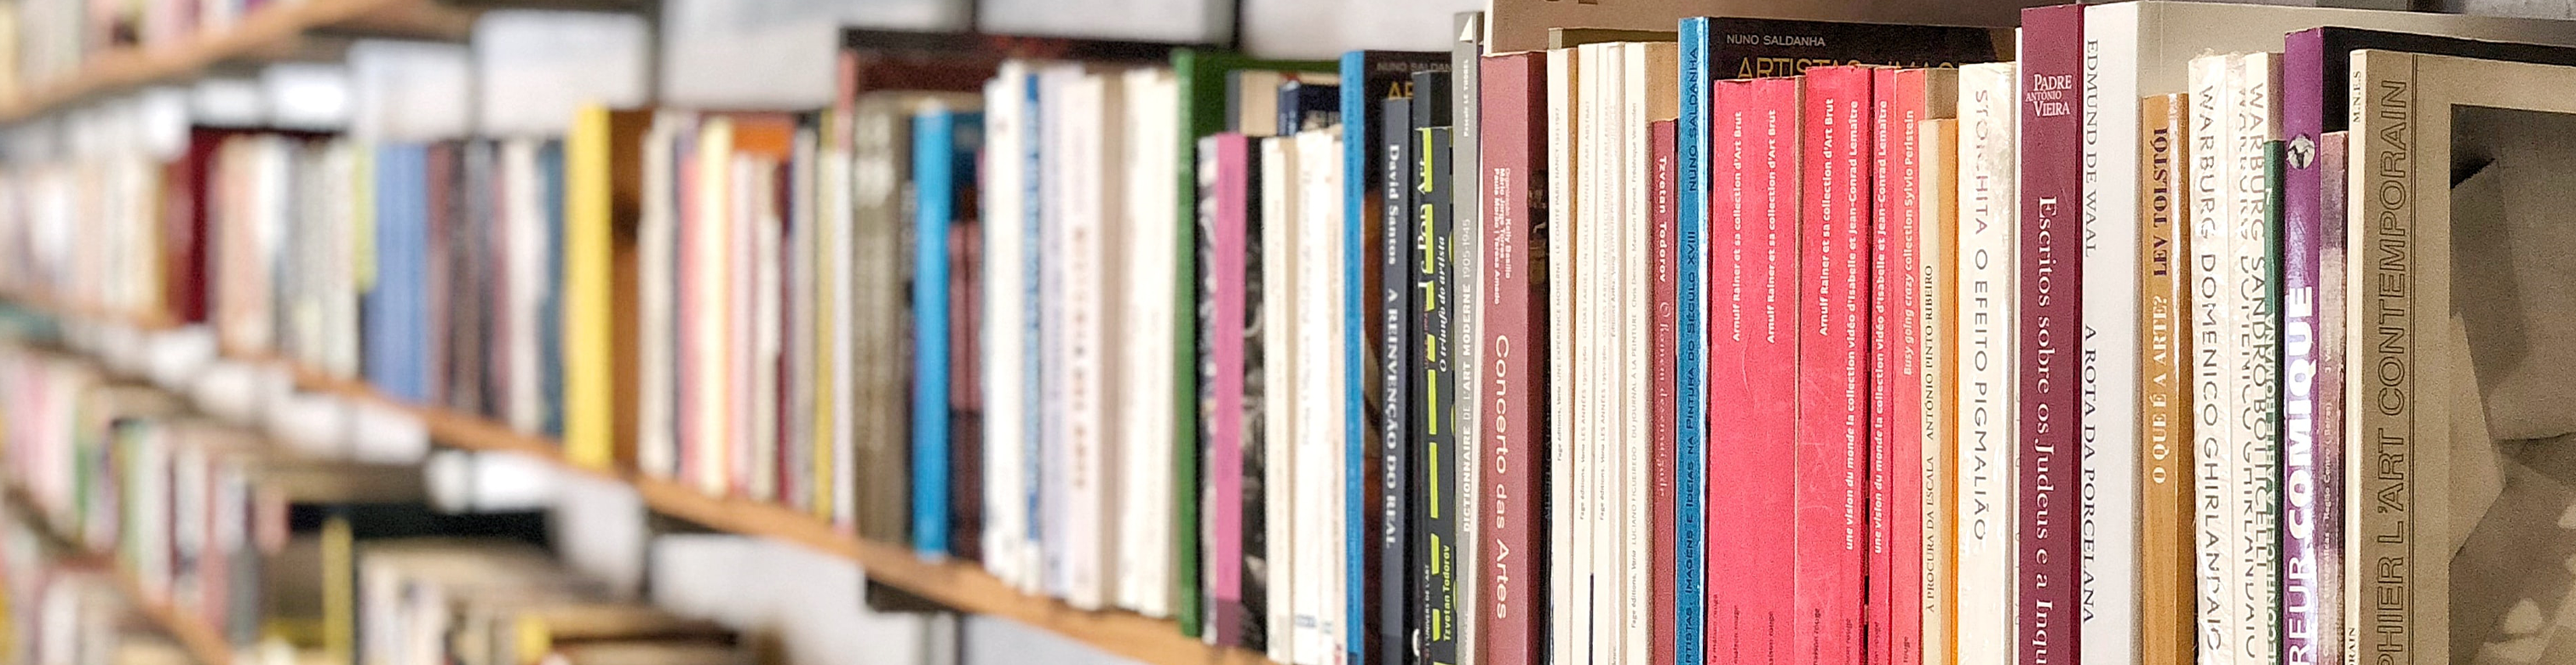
550,165
1355,261
933,156
1690,152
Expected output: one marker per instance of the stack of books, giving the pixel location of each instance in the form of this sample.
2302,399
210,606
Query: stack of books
2143,333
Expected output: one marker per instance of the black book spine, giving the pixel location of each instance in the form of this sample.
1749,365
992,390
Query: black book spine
1434,426
1257,565
1395,597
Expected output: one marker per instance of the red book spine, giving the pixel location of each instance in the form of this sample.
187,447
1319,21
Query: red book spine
1664,345
183,231
1833,371
1753,227
2051,268
442,216
1513,143
1899,479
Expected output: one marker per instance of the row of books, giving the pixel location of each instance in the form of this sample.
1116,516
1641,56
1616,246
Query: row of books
66,612
44,41
1839,342
332,559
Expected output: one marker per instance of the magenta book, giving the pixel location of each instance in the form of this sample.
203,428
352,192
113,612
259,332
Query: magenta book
1753,268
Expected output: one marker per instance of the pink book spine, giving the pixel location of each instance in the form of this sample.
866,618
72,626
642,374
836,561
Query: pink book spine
1902,336
1753,227
1224,499
1878,567
1833,372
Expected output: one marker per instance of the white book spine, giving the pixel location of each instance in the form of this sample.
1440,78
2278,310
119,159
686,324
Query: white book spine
2212,343
1004,326
1088,529
523,223
1988,114
1307,309
2111,320
1635,295
839,495
1563,146
1146,417
1278,394
706,388
1056,169
1320,156
1587,366
766,344
2254,119
742,310
655,444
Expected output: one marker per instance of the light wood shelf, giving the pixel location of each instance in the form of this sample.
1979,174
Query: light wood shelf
956,584
263,31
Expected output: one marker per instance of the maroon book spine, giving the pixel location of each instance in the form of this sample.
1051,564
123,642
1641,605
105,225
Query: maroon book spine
1833,371
2050,327
183,230
1664,346
1514,193
442,178
1753,367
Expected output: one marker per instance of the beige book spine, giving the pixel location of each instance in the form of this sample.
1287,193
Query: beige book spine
1938,185
2165,497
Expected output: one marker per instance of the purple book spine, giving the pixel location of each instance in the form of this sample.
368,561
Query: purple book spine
2303,88
2051,250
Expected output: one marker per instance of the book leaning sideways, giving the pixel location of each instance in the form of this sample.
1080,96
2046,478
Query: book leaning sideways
2460,470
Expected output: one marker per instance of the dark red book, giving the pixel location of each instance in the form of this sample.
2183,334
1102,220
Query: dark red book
2052,251
442,220
1663,343
1753,366
1833,370
1513,150
183,225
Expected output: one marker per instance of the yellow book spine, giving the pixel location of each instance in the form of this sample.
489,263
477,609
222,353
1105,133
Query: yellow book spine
589,415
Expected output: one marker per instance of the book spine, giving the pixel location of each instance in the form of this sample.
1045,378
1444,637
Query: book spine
2386,535
2165,509
1148,293
1877,570
586,433
1396,599
2333,295
1649,95
1513,322
1938,237
1898,484
1690,302
2303,89
2051,272
1986,358
1289,517
1754,220
1590,131
1562,145
1662,342
1832,367
1466,213
1002,359
1438,435
933,167
1033,331
2211,344
2254,260
1221,163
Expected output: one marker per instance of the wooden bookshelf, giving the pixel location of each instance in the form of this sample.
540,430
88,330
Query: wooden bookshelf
262,31
955,584
202,642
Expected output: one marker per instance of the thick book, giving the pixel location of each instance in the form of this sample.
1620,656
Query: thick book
2050,621
946,142
1202,83
1398,536
1367,79
2212,340
1662,343
1140,420
1987,282
1939,234
602,191
1833,374
2165,456
1513,614
1754,223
